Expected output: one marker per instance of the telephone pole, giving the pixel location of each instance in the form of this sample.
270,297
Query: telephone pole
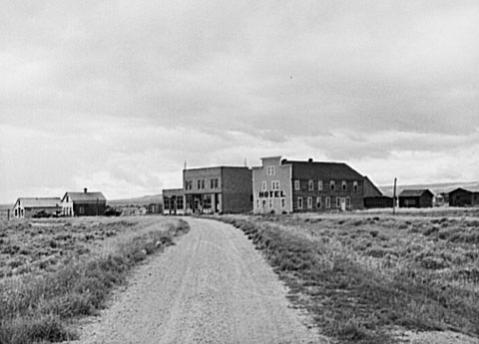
394,196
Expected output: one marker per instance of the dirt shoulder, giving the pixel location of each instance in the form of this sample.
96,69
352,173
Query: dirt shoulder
212,287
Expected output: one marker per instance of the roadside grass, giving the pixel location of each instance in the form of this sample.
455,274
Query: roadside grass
363,278
41,306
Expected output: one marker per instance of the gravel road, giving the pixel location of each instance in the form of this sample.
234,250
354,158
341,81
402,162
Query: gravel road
212,287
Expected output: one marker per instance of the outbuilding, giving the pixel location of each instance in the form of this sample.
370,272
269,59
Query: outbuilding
416,198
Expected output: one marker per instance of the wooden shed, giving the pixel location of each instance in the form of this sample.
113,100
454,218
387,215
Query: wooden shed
416,198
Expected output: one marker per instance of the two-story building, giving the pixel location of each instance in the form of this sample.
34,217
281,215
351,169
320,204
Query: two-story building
221,189
283,186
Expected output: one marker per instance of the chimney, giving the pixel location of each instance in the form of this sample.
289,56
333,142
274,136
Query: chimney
85,190
310,160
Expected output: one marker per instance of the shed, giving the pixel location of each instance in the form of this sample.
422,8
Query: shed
26,207
416,198
83,203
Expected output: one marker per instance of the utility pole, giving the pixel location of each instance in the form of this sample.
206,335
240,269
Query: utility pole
394,196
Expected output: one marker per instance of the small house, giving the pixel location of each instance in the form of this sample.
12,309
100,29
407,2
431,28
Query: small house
416,198
463,198
26,207
83,203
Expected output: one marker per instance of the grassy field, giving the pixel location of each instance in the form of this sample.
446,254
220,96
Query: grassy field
54,271
365,278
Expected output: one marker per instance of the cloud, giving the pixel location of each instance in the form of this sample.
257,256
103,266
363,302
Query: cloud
121,93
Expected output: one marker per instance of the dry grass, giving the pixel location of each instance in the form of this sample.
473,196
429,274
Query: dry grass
67,268
363,276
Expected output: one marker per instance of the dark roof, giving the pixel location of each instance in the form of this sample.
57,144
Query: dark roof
326,170
85,197
414,192
468,190
39,202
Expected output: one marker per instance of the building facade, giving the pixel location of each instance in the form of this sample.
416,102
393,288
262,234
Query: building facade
173,201
220,189
83,203
283,186
27,207
421,198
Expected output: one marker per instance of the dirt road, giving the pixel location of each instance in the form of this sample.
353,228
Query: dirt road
212,287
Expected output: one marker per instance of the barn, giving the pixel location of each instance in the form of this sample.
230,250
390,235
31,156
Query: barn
83,203
416,198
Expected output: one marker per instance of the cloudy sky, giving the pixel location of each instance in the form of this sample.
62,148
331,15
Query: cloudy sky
117,95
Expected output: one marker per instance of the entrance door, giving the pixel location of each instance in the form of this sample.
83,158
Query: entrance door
343,204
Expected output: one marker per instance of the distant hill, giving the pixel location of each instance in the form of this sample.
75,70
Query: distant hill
144,200
436,188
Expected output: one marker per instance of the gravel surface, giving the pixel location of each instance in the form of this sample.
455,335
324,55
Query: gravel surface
212,287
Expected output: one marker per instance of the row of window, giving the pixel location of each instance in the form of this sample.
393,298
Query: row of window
173,203
269,204
275,185
327,202
320,186
201,184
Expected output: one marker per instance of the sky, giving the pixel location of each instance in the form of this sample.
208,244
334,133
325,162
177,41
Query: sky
115,96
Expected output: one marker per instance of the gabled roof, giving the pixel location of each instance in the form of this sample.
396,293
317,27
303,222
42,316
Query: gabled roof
85,197
414,192
39,202
327,170
468,190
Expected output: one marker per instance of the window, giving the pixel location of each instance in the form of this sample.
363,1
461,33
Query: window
311,185
332,185
327,202
179,203
318,202
283,202
297,185
355,186
188,185
343,185
264,204
348,202
270,204
338,202
271,171
264,186
198,184
310,202
202,183
300,202
320,185
275,185
214,183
